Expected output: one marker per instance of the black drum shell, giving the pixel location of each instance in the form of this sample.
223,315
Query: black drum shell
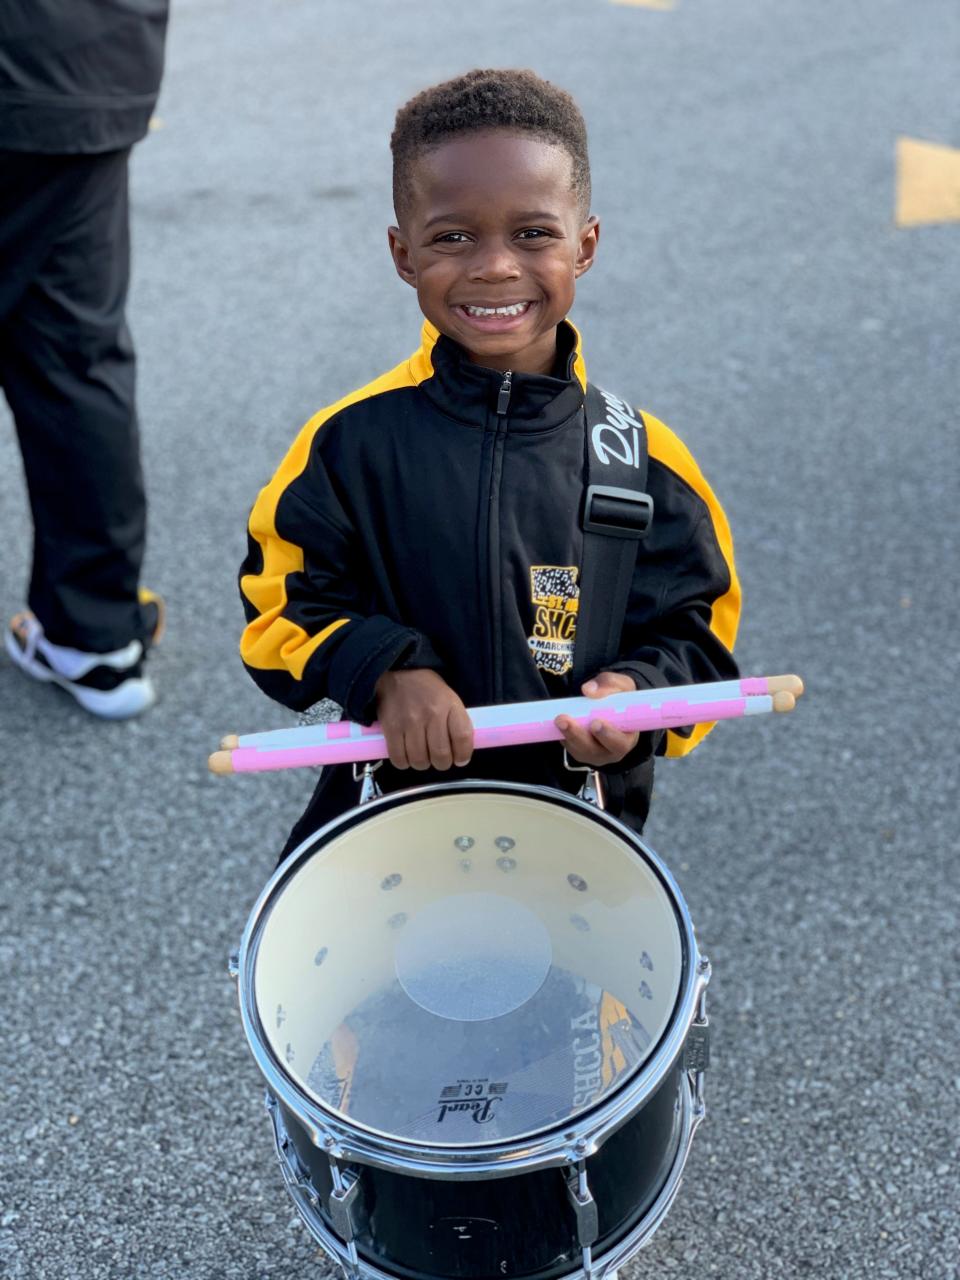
522,1224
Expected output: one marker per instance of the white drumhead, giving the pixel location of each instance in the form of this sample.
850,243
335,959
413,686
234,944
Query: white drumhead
468,968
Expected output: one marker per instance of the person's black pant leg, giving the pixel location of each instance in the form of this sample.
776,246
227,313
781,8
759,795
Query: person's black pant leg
67,368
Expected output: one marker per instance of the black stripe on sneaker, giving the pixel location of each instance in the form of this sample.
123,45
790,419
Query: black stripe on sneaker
108,678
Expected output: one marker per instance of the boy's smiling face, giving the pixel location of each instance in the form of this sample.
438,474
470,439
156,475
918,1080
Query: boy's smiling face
493,240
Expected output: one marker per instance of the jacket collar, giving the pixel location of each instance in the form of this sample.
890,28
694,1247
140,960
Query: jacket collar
468,392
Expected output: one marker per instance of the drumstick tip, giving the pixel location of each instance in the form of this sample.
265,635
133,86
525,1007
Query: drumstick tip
783,700
221,762
787,684
230,742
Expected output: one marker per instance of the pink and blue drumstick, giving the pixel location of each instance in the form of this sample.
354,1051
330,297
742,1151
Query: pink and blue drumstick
517,723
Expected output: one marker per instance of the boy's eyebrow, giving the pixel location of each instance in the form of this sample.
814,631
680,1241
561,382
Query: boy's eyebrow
443,217
536,215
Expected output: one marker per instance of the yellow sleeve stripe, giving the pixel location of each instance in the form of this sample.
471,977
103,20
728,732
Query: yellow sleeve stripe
272,642
668,449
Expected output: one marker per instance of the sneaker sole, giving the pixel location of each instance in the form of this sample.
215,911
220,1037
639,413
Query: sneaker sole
129,699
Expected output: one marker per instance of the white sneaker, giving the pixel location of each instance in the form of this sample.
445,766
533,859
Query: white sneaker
109,685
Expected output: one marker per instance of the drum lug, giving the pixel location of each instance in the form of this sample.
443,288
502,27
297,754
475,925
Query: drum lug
696,1048
344,1201
583,1204
585,1213
233,963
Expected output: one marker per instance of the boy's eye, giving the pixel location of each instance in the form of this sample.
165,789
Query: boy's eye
451,237
533,233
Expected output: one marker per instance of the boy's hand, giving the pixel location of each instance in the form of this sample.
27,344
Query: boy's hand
424,722
599,744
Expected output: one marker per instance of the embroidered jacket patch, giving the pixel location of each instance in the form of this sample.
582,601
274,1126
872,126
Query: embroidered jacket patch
556,600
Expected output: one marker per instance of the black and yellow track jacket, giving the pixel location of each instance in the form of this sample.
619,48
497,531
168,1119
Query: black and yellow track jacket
431,519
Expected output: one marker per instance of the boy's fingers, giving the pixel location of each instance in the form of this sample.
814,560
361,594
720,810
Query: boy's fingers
395,749
438,744
578,741
461,735
608,682
599,744
418,753
613,739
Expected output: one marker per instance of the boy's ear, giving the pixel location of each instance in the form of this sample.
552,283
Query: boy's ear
402,258
589,235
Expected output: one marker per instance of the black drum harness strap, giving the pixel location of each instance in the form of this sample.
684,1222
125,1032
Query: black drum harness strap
615,516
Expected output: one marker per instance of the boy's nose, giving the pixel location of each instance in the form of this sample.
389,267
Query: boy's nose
494,263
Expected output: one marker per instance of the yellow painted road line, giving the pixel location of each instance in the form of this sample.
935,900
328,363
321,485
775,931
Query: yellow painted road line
928,183
646,4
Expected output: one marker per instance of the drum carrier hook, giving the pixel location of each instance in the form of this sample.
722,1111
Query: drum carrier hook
368,786
592,789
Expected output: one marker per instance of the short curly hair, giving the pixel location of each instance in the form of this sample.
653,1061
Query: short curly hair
488,99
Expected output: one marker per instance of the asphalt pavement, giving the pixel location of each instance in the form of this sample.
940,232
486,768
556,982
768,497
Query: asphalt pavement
751,290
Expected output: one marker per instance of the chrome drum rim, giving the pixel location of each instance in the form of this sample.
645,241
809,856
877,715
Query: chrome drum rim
568,1143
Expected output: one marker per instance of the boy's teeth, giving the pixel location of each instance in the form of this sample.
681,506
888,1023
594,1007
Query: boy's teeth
517,309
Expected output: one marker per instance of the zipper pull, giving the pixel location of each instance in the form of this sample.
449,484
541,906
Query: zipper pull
503,395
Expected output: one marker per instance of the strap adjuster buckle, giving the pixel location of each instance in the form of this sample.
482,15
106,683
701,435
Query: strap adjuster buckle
618,513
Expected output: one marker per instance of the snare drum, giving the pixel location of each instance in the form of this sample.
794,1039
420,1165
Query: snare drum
480,1013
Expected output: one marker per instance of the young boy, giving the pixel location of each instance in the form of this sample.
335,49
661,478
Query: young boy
420,547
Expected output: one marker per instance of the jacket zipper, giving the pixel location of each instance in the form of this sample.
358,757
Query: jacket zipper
493,537
503,395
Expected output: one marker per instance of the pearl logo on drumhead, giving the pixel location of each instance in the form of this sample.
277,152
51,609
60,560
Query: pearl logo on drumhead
476,1099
